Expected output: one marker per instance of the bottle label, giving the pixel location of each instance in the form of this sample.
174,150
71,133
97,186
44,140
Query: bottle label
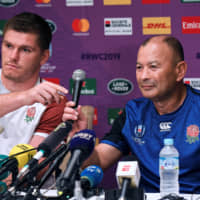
169,163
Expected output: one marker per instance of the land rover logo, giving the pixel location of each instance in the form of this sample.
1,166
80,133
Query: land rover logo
8,3
52,25
120,86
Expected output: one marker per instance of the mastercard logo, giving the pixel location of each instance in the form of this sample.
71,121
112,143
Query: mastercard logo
80,25
43,1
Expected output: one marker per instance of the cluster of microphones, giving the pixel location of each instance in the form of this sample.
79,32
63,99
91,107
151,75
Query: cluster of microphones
71,183
80,147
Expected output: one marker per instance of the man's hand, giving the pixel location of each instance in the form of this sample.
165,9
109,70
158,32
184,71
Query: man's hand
45,93
80,120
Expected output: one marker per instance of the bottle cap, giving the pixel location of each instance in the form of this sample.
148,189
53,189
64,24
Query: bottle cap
168,141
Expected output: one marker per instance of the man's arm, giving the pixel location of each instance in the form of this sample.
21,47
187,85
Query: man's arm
104,155
44,93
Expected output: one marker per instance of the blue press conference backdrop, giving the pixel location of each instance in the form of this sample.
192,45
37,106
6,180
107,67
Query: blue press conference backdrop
102,38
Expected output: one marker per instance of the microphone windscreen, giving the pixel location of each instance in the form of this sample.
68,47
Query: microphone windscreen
128,168
92,174
83,140
78,75
3,159
22,158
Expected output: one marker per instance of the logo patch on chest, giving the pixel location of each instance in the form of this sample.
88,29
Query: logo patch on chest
165,126
192,134
30,114
139,133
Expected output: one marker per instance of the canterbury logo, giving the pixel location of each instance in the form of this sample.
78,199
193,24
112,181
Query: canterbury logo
165,126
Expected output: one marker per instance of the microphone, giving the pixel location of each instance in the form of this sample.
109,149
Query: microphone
91,177
23,153
78,77
81,146
3,174
57,157
10,164
61,131
19,155
127,174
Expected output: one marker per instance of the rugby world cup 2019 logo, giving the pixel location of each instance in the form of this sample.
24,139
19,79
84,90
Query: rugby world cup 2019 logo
139,131
8,3
192,134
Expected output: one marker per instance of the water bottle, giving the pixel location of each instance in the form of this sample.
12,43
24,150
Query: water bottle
169,168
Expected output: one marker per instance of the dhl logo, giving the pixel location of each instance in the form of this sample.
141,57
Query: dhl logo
156,25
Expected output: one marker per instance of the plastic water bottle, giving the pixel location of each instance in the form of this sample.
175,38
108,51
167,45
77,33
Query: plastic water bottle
169,168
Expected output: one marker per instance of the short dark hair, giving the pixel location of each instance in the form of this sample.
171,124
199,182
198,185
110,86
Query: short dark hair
28,22
172,42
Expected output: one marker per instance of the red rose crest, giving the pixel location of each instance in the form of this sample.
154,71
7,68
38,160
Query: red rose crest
30,114
192,133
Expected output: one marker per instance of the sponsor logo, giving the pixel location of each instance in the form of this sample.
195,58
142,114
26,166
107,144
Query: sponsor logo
81,26
193,82
2,23
116,2
120,86
53,80
154,1
47,68
190,1
156,25
8,3
100,56
79,2
192,134
88,86
95,118
52,25
126,168
113,113
165,126
118,26
43,3
83,135
191,25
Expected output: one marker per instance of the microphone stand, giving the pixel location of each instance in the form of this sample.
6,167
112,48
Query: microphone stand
125,185
54,166
58,155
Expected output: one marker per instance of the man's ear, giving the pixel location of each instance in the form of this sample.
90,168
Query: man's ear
44,57
181,69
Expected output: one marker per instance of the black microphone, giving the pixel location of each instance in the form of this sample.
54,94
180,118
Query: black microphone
78,78
81,146
61,131
57,157
10,165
